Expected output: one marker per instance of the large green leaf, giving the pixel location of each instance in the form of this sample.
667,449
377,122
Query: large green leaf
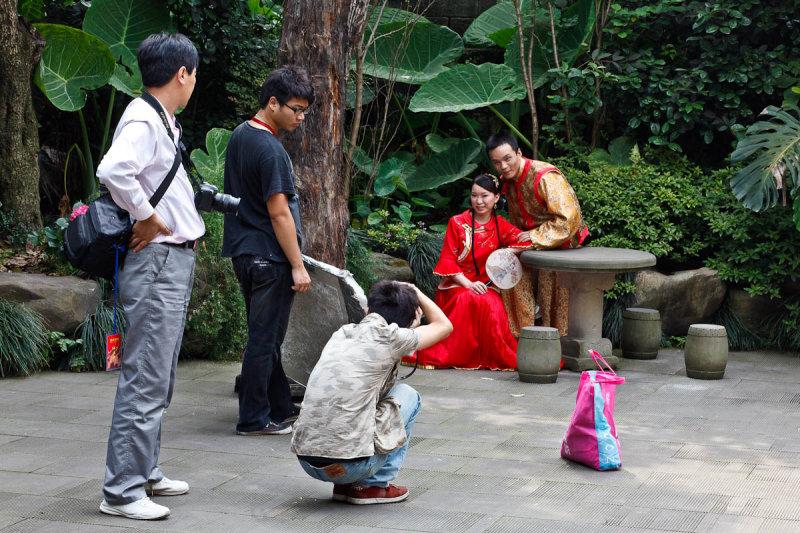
618,154
386,15
124,24
72,61
31,10
468,86
412,54
391,175
497,17
367,95
447,166
569,39
497,24
212,164
775,146
437,143
127,79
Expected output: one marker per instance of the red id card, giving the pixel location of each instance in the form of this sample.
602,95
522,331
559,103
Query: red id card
113,351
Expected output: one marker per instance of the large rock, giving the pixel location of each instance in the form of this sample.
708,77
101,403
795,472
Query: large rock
683,298
388,267
64,301
333,300
754,310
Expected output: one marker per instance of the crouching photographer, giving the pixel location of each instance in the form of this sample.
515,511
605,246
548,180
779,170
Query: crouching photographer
355,423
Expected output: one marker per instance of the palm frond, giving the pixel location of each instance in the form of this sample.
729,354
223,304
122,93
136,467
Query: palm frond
775,144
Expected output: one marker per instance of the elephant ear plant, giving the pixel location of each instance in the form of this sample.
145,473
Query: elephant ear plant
102,53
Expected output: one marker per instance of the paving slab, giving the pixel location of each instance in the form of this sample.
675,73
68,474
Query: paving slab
698,456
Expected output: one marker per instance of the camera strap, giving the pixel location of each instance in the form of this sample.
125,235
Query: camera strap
150,99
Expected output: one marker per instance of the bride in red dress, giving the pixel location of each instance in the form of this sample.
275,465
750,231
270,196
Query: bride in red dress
481,337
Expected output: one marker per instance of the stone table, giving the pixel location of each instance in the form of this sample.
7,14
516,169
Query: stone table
587,273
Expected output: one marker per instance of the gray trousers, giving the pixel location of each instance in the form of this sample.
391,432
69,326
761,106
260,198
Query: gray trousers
155,288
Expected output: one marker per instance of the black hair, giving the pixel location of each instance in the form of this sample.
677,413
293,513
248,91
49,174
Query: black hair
491,184
488,182
286,82
396,302
161,55
499,139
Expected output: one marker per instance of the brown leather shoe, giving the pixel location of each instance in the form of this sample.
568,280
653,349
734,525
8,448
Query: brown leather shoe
360,495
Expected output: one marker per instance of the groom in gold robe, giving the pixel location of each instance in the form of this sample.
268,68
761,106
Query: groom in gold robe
540,200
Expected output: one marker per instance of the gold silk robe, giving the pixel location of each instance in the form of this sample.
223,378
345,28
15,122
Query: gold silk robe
556,224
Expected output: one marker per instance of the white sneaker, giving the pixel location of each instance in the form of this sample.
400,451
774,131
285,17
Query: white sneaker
167,487
143,509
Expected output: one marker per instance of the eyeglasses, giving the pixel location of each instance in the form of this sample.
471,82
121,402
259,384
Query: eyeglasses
299,110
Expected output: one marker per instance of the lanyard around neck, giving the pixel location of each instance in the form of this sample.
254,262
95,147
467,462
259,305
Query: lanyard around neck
261,122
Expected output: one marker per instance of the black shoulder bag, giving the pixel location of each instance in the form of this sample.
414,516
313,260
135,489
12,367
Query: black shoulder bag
92,240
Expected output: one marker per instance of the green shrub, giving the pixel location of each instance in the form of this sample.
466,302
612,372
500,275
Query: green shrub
785,327
216,323
757,251
62,347
693,69
359,262
422,256
23,340
660,204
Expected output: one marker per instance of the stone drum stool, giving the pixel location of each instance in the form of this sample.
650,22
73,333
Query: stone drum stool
641,333
706,351
538,354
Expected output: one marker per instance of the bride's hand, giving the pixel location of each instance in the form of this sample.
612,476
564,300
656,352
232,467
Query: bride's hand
477,287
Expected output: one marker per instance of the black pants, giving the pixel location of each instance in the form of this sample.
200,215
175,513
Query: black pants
264,393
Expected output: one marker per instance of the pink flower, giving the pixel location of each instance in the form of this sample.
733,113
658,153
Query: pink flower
80,210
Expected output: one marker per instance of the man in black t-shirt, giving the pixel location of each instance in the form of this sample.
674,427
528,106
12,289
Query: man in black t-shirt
264,241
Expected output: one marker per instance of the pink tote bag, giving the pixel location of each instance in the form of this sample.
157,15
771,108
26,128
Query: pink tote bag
591,437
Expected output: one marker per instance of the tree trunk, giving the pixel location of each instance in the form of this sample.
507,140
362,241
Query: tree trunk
320,36
20,48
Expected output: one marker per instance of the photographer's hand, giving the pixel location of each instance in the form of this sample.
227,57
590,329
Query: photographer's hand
145,231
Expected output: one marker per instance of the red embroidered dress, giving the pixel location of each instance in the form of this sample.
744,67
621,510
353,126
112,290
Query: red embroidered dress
481,337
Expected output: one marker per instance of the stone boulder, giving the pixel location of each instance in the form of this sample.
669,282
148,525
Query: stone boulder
64,301
388,267
683,298
754,310
333,300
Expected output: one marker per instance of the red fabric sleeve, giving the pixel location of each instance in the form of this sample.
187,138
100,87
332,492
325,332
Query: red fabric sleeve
509,234
447,265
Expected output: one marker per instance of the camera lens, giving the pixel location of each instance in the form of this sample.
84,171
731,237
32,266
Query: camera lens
225,203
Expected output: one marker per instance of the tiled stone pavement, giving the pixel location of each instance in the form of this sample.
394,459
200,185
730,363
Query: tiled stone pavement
704,456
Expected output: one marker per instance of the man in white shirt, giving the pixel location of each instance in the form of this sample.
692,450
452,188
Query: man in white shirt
156,281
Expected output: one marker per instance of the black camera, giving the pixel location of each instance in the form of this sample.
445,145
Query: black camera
208,198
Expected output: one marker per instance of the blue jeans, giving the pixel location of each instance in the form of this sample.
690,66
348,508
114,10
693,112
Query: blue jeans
264,392
381,468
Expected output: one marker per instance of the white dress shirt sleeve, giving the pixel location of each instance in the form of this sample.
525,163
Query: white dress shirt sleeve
133,148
